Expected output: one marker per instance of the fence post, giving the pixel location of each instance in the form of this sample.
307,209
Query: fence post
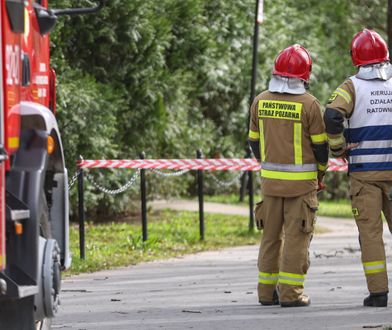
250,190
143,197
243,181
200,188
81,214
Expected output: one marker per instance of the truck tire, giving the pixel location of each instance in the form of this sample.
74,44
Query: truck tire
45,232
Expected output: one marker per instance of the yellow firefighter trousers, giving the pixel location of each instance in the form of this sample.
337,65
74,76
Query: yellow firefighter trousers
288,224
368,199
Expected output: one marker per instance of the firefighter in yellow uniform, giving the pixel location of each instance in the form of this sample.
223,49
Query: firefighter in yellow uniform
364,103
287,134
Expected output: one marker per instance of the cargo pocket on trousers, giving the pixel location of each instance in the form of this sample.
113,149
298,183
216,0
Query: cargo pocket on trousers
259,215
357,201
309,215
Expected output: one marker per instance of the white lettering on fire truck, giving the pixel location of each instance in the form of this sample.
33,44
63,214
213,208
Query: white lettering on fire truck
42,67
41,92
12,64
41,80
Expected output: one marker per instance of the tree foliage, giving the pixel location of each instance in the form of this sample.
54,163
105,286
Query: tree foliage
171,76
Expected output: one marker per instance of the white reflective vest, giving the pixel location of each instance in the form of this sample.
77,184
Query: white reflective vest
371,126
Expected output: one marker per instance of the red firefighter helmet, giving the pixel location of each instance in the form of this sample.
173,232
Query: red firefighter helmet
368,47
294,61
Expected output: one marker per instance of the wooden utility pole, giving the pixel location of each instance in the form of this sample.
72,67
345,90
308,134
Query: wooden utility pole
389,25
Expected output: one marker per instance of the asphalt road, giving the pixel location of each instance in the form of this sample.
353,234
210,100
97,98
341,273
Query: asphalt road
217,290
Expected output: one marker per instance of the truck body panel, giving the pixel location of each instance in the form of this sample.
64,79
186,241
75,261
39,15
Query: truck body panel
2,165
34,224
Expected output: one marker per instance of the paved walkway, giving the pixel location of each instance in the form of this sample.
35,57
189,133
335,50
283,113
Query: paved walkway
217,290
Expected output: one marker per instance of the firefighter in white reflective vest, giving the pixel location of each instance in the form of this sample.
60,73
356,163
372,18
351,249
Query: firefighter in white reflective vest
287,134
358,121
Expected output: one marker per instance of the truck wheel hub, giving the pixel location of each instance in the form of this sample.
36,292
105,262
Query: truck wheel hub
51,278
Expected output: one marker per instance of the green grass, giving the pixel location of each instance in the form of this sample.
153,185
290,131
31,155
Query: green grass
338,209
328,208
228,199
171,233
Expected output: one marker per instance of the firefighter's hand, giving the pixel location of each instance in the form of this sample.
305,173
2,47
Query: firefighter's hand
320,179
320,176
321,186
351,146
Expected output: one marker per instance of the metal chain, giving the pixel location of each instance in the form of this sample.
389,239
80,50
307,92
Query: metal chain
73,179
226,183
169,174
114,191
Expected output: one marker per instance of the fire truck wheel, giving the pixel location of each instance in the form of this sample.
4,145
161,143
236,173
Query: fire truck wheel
51,277
50,269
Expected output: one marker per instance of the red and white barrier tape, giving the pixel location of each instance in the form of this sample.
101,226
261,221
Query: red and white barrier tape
337,165
221,164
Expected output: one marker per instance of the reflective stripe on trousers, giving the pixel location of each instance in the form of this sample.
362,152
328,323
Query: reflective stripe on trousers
373,267
291,279
268,278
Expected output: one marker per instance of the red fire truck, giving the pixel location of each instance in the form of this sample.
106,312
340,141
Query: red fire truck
33,178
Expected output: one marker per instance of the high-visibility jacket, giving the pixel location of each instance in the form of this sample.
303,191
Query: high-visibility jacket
374,136
288,128
367,106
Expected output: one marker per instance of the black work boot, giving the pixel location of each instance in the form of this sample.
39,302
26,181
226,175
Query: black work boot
376,300
302,301
274,301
